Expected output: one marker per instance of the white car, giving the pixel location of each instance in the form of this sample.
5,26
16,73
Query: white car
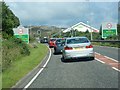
77,47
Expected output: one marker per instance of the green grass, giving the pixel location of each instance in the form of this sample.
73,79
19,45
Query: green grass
24,65
0,78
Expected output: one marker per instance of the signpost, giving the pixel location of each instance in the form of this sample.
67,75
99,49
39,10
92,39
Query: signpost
22,33
109,29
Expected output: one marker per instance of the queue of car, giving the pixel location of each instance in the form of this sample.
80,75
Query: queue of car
72,48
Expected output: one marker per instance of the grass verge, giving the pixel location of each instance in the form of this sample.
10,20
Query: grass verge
24,65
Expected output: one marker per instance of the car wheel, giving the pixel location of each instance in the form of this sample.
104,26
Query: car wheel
63,58
54,51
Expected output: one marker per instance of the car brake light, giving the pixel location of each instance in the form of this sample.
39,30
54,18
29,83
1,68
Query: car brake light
68,48
90,46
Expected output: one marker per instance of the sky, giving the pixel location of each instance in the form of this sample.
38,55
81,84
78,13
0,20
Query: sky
64,14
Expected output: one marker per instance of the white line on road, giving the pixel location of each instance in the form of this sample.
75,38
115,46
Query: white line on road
39,71
99,60
116,69
111,58
98,53
107,57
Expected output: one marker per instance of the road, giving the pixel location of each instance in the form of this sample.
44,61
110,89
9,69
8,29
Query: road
77,74
108,51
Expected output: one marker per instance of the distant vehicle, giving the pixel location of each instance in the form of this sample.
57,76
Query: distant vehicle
52,42
77,47
59,45
44,40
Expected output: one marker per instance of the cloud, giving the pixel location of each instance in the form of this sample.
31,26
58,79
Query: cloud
64,13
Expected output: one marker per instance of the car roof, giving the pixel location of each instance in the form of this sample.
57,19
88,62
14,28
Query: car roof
52,38
75,37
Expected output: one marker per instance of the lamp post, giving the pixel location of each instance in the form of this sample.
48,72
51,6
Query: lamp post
90,16
90,31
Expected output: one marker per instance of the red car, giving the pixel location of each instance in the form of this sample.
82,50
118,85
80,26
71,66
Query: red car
52,42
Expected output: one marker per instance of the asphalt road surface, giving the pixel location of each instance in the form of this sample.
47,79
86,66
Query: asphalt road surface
77,74
108,51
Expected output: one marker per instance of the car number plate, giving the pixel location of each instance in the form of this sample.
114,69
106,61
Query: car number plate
78,48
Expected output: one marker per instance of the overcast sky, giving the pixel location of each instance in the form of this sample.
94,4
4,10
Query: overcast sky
65,14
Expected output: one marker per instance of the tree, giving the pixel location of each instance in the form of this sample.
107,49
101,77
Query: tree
87,31
118,30
9,21
0,16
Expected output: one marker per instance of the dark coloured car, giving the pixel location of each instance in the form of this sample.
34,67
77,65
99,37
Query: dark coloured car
44,40
59,45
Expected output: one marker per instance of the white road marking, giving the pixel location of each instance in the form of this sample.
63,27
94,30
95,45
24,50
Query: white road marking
39,71
98,53
99,60
111,58
116,69
107,57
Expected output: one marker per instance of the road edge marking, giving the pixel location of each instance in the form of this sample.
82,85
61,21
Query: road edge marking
116,69
39,70
111,58
108,57
99,60
97,53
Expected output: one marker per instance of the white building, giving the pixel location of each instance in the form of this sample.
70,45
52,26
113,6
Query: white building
82,27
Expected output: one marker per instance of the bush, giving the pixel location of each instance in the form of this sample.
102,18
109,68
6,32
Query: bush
12,49
23,46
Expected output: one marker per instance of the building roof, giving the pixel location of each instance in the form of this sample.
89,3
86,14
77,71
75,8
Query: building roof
81,27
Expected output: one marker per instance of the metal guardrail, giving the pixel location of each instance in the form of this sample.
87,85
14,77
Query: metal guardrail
106,41
111,43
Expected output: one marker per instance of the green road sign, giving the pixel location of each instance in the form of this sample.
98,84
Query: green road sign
24,38
109,29
22,33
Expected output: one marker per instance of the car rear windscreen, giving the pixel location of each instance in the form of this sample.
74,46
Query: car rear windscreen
60,41
45,39
52,39
77,40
